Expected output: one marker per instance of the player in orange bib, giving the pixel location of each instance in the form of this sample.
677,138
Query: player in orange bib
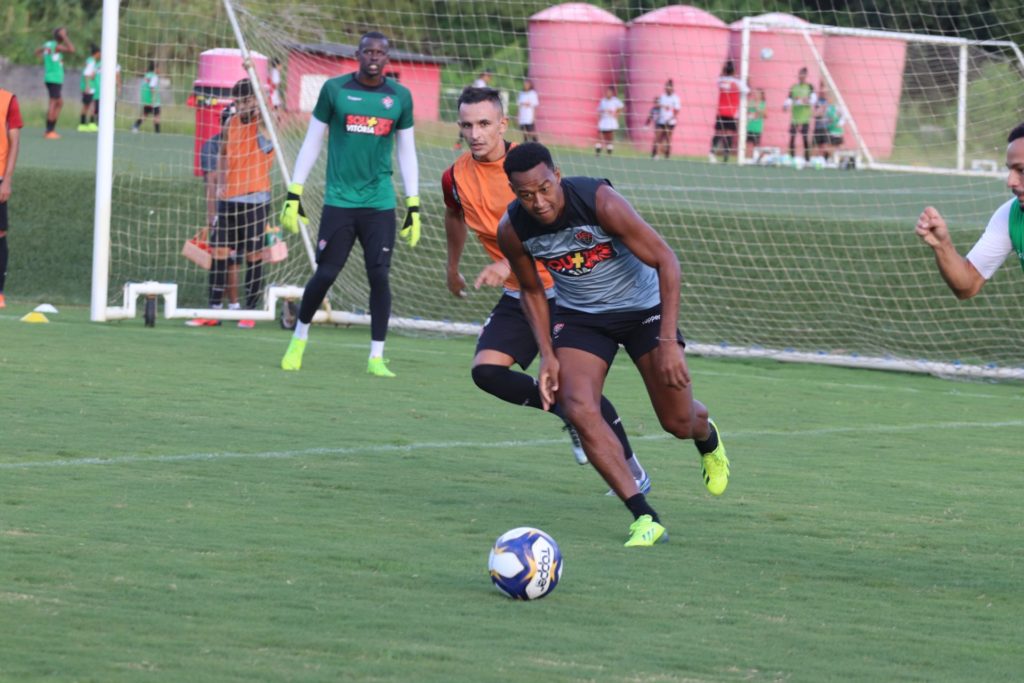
476,193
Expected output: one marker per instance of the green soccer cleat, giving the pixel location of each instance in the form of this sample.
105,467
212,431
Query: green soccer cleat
714,467
293,356
379,367
645,532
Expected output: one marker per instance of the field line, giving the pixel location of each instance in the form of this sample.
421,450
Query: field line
481,445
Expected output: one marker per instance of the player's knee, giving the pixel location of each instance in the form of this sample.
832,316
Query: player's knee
679,426
580,410
377,276
324,275
488,377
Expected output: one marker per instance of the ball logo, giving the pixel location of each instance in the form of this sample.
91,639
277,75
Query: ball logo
544,568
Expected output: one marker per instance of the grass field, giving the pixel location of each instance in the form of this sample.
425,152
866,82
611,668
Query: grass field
174,507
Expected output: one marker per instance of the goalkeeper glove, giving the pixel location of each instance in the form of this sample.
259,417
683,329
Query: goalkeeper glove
410,231
292,210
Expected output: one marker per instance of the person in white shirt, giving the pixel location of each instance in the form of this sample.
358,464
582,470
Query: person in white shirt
483,80
1004,235
608,121
274,84
528,102
665,121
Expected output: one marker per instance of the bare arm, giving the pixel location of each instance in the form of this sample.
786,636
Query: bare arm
960,274
618,217
535,307
455,236
13,143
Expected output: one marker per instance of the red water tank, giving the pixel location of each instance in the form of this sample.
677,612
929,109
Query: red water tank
575,53
689,46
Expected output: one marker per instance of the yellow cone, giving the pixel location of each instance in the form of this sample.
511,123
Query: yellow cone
35,317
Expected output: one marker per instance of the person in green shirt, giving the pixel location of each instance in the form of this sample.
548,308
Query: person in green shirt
93,127
756,114
800,104
828,127
87,83
52,52
149,96
366,115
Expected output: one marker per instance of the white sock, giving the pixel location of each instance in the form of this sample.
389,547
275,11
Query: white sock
301,330
234,306
376,349
635,468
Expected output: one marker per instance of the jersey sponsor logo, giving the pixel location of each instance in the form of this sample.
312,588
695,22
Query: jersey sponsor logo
368,125
387,102
580,262
584,236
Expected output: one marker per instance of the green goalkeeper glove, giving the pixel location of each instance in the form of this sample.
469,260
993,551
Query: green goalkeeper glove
410,231
292,210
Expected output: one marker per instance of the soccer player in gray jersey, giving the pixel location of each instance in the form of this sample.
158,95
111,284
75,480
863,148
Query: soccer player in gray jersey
611,273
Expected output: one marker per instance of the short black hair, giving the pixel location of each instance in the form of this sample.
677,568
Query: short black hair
522,158
1016,134
94,48
242,88
471,95
730,68
152,66
56,32
374,35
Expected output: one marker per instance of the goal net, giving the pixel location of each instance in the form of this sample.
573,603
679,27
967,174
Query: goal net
784,255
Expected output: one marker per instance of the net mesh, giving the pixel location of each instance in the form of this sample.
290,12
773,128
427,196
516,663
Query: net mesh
782,253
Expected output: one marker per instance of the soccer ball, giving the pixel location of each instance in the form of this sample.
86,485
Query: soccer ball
525,563
767,53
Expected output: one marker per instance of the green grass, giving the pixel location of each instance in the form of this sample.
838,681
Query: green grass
173,506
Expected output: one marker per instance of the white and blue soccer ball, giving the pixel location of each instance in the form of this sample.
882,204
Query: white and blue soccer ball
525,563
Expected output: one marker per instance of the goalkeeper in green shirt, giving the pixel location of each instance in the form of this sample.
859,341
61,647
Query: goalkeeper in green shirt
800,104
365,115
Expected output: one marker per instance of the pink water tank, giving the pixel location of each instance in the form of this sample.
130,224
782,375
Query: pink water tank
689,46
575,53
778,50
868,72
222,67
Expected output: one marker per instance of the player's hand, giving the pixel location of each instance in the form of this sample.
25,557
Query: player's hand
931,227
672,364
5,190
292,210
494,275
457,284
410,231
547,381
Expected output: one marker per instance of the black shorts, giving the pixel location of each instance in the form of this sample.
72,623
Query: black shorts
339,228
3,216
804,127
725,124
147,110
527,127
54,90
507,330
665,126
835,140
754,138
602,333
240,226
87,98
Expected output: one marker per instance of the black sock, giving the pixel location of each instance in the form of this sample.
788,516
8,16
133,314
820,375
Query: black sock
3,262
610,416
138,122
638,505
508,385
81,119
709,444
253,284
156,127
50,125
218,280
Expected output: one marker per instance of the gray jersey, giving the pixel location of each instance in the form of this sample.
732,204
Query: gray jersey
594,271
